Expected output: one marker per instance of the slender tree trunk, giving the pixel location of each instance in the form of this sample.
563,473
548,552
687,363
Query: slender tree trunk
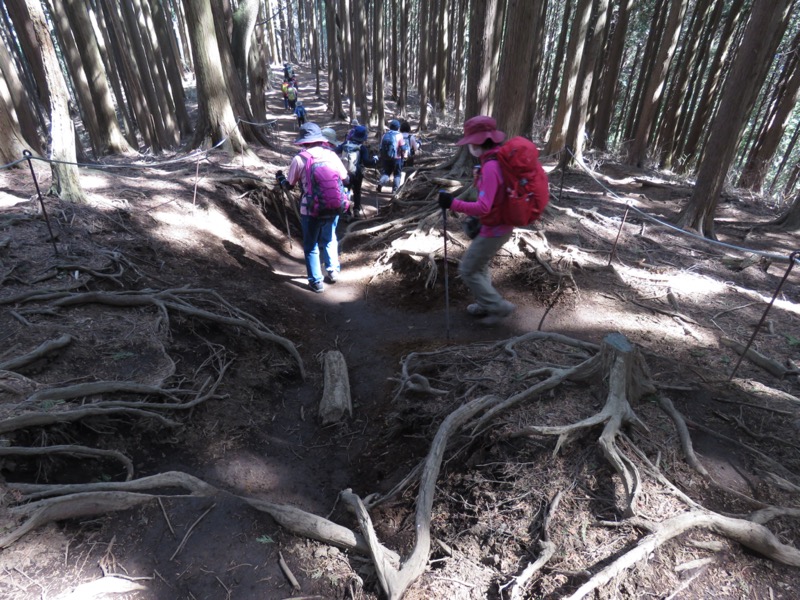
216,118
459,62
19,108
379,65
610,79
511,105
347,56
647,115
577,40
334,87
358,48
182,34
702,114
786,155
290,22
405,49
12,142
481,35
762,35
258,69
552,90
170,55
758,162
422,62
65,184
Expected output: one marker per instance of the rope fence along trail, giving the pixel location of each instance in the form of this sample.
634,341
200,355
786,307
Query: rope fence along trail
793,257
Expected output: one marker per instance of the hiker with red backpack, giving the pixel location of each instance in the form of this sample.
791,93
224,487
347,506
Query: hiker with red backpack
321,176
512,191
392,153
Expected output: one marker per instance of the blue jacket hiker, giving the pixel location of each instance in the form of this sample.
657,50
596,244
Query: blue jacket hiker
393,151
355,156
300,113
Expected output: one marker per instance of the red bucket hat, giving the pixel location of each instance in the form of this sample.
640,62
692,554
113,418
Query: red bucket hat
479,129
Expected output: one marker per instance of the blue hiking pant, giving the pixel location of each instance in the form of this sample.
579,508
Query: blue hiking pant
319,237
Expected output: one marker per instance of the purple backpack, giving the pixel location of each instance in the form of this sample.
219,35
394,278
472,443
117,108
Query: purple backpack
324,190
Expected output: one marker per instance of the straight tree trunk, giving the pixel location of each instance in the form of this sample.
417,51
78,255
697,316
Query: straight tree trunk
182,34
358,49
12,142
785,159
702,114
80,84
515,82
216,118
442,50
258,69
290,22
755,169
652,96
580,108
762,35
379,65
405,49
244,22
334,88
552,90
422,62
19,107
347,56
459,62
481,35
26,36
577,41
65,183
110,138
610,79
170,54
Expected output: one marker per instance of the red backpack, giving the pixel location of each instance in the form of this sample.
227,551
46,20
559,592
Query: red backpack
527,189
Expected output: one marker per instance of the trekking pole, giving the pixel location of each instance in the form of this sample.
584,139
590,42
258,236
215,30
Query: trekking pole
446,281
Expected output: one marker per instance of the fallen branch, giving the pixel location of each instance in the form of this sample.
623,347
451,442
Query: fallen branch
43,350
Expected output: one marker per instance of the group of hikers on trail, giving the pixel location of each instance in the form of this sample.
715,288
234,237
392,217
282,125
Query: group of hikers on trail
512,190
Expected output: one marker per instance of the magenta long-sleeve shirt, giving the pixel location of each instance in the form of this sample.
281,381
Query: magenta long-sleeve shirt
490,190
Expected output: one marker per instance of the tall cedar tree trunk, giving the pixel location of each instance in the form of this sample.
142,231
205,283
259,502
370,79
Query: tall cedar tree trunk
762,35
481,35
80,84
537,76
12,142
274,50
334,87
776,121
158,57
658,76
357,58
347,56
183,34
394,34
215,113
676,98
785,160
443,49
379,62
422,62
511,105
170,54
237,93
65,184
302,30
258,69
688,103
244,22
130,79
315,37
701,117
403,58
580,107
290,23
111,138
645,67
496,20
459,63
20,107
23,27
283,33
552,89
143,66
611,76
577,40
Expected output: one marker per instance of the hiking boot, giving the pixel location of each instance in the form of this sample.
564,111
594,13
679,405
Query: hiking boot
496,315
332,277
316,286
477,310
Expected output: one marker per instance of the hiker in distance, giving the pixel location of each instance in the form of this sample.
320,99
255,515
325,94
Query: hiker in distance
321,176
512,191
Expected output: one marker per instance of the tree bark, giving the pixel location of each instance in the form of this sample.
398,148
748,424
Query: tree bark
65,184
656,81
379,66
762,35
19,106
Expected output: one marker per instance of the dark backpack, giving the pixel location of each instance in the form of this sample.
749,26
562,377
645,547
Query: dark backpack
527,189
300,112
324,190
389,144
351,157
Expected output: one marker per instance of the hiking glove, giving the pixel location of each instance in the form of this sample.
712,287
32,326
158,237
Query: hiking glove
281,178
445,199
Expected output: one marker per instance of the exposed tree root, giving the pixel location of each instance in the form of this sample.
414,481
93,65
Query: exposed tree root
749,534
180,300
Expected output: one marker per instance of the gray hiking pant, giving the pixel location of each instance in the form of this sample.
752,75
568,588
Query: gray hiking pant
474,269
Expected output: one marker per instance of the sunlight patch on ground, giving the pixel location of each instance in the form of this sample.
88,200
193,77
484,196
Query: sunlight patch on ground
185,228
